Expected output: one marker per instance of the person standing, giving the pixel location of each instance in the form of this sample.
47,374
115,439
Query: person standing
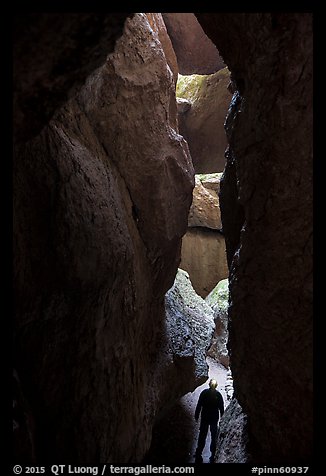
211,406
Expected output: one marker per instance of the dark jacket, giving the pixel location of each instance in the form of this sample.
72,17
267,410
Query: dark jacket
210,404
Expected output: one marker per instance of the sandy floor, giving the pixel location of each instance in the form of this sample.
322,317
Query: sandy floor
175,436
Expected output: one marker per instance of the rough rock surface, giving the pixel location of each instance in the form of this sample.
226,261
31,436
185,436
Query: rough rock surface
52,56
203,257
195,51
232,440
101,200
203,124
270,136
218,300
157,23
190,324
204,210
23,426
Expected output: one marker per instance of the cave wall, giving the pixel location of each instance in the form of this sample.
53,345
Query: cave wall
101,199
196,53
269,187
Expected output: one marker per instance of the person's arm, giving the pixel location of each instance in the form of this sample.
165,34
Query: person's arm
221,405
198,407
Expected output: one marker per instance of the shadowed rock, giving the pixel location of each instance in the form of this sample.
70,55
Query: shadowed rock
232,441
268,193
101,202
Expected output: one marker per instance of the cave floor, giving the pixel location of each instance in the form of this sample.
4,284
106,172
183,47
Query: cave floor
175,435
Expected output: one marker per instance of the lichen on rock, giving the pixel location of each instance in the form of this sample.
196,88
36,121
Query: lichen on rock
218,298
189,87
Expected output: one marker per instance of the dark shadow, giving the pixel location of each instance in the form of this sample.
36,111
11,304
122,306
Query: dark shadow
172,438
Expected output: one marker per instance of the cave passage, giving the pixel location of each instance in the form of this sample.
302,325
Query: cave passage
121,281
175,435
202,104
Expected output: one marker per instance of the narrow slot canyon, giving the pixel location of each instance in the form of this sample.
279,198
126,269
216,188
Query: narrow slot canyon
162,233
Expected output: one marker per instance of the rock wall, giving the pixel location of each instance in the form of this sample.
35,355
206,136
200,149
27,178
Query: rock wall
101,199
157,23
195,51
202,124
270,135
232,440
52,56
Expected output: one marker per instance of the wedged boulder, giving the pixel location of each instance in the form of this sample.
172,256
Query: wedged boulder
190,324
195,51
203,124
101,201
218,300
204,210
203,257
232,440
211,181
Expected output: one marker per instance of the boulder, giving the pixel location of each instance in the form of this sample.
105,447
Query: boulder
203,257
190,326
204,210
218,300
211,182
195,51
203,124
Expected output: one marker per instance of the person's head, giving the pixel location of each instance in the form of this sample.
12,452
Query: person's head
212,384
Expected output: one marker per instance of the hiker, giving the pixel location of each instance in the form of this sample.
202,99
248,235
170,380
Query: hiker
211,406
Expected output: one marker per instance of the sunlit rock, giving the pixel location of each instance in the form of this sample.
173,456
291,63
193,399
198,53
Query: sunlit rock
203,257
205,209
203,124
218,300
190,325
